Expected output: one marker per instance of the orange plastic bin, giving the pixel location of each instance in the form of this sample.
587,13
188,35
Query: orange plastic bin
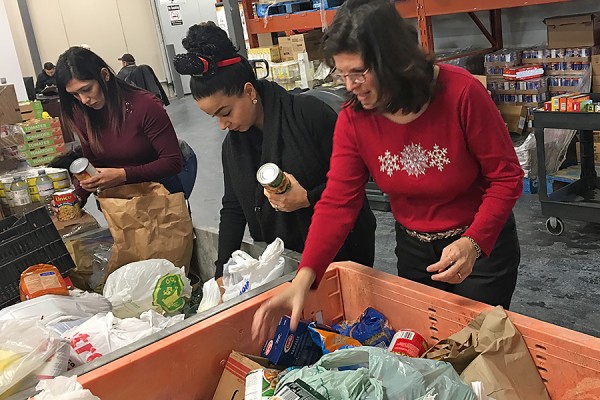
188,364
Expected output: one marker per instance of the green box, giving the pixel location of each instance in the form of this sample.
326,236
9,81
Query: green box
45,134
43,151
36,162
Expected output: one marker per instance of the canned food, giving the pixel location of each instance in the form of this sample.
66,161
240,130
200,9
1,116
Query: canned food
273,179
408,343
67,205
6,182
82,169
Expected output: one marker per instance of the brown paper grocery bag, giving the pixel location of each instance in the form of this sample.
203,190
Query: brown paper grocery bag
146,221
491,350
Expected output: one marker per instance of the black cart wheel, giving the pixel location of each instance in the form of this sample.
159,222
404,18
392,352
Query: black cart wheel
555,226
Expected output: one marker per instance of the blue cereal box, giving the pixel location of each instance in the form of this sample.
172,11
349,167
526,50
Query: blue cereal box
289,348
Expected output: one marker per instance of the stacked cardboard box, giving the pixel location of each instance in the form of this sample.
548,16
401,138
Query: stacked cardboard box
310,42
596,148
31,110
596,73
9,106
514,96
565,67
42,141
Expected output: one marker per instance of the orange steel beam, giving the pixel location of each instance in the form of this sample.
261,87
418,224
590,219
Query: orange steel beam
482,28
441,7
406,8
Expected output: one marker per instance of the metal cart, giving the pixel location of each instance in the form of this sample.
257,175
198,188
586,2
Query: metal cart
579,200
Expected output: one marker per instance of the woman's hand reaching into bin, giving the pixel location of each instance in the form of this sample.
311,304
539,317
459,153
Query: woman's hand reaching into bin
290,300
456,263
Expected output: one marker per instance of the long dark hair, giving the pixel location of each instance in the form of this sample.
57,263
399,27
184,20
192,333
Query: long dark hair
206,45
84,65
404,75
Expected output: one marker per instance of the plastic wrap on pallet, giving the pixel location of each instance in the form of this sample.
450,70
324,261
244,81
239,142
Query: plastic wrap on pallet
471,62
556,142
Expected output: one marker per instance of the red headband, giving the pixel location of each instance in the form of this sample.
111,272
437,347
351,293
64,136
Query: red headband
229,61
222,63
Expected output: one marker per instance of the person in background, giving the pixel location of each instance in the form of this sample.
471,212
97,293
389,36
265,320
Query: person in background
46,78
142,76
128,66
124,131
433,140
266,124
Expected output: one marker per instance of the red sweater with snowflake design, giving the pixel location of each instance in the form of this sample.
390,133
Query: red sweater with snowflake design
453,166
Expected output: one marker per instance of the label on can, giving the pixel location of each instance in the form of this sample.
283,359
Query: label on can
408,343
67,205
20,197
273,179
63,184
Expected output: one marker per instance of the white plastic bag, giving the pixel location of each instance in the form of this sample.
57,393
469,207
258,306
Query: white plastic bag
211,295
29,351
147,285
52,306
63,388
243,273
105,333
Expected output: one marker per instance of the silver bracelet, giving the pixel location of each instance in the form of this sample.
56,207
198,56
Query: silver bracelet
475,245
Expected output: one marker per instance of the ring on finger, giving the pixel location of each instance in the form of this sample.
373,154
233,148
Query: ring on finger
459,275
451,260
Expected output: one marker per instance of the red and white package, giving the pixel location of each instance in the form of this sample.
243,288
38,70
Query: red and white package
523,73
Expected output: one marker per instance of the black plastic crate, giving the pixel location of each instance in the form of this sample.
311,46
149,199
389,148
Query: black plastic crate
26,241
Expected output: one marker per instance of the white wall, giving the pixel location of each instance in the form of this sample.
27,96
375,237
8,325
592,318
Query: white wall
109,27
9,62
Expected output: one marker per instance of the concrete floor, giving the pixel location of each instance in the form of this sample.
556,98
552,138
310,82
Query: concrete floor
559,277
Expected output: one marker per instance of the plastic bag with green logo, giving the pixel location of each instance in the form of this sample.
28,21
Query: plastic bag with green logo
147,285
372,373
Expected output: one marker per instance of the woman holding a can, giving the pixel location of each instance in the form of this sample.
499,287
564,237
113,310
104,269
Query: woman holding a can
266,125
125,132
433,140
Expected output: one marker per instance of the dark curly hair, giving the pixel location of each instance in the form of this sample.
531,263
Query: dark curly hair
404,74
206,45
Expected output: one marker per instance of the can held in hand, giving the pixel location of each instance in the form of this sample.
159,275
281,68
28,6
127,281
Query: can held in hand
67,205
82,169
273,179
408,343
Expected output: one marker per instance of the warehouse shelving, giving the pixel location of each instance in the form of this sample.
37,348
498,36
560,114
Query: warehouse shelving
579,200
423,10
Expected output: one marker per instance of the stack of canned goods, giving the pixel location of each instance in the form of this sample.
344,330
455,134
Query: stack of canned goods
20,189
504,55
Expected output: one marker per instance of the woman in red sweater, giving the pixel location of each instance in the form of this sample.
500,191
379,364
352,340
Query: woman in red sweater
434,141
124,131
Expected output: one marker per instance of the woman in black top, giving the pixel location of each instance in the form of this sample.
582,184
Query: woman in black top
266,124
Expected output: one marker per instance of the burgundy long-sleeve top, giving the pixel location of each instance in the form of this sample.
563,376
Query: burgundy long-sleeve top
452,167
146,146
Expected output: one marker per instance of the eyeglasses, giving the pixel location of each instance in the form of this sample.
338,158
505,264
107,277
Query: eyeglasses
355,77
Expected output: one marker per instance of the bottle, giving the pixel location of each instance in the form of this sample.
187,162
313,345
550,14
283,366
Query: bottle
45,188
20,196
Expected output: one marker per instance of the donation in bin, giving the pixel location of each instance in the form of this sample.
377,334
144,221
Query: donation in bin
243,273
146,222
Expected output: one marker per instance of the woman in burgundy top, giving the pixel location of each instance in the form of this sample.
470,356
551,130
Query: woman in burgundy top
433,140
124,131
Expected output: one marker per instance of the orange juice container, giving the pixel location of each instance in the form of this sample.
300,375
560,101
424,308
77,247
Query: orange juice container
41,279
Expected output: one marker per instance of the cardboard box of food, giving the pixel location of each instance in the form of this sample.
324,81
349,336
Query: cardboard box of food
581,30
310,42
289,348
232,385
37,125
515,117
9,106
31,110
